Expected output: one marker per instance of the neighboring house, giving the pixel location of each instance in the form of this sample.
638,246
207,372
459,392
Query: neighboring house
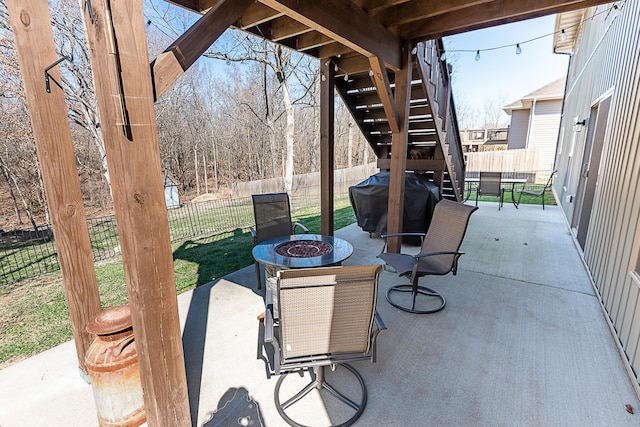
598,155
474,140
535,120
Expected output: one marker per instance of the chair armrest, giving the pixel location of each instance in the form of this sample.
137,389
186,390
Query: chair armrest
384,236
379,326
268,317
426,254
297,224
254,234
379,322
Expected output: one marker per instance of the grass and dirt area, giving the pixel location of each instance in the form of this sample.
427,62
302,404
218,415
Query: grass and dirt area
35,317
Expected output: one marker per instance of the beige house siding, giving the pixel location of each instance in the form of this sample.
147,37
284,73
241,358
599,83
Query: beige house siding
606,60
518,130
544,131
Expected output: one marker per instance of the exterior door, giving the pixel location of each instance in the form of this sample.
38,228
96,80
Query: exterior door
589,170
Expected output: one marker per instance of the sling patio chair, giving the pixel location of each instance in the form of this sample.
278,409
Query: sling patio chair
272,216
327,318
538,193
490,184
438,255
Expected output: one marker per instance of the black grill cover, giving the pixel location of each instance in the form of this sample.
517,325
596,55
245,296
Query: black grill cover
370,197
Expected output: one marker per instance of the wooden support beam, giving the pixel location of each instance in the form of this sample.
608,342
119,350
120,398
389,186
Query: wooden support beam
346,23
327,147
381,79
177,58
400,141
496,12
33,37
284,27
119,55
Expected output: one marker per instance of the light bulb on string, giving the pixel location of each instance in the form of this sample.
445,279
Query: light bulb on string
443,57
414,50
563,35
518,49
346,77
335,68
478,55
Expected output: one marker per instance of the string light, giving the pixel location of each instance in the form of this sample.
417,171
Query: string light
518,48
443,57
414,50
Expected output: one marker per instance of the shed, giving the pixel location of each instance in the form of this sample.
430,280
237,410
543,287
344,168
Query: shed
171,197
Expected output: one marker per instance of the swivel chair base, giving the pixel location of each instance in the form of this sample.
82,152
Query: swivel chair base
318,382
416,292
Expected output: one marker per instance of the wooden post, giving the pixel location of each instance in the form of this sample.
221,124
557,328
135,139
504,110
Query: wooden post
327,147
33,36
399,142
118,46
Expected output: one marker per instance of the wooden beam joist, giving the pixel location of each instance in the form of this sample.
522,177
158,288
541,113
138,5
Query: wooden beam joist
284,27
312,40
496,12
415,11
182,53
256,14
345,23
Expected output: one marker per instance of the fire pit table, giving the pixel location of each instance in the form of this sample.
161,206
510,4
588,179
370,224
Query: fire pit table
299,251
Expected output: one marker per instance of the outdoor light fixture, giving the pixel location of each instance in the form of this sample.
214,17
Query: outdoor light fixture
518,49
577,127
478,55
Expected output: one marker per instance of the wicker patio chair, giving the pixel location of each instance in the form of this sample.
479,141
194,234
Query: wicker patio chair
538,193
438,255
272,215
327,318
490,184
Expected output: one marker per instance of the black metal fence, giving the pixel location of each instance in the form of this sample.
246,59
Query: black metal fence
29,253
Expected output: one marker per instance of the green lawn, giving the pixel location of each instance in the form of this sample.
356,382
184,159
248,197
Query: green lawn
34,315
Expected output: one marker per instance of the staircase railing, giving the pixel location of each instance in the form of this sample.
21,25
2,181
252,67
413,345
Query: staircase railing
434,73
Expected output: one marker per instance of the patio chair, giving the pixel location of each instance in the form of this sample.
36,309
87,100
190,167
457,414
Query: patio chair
438,255
327,318
538,193
490,184
272,215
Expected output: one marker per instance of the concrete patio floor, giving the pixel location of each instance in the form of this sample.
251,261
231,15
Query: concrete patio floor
523,341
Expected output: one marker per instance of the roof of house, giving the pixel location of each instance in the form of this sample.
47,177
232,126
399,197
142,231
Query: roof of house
551,91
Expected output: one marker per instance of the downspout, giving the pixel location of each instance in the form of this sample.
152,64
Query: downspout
531,113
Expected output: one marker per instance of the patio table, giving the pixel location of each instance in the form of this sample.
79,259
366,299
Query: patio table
512,181
298,251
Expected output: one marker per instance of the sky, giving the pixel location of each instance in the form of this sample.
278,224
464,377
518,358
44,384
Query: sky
500,74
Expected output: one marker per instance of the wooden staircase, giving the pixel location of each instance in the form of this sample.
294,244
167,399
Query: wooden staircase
434,147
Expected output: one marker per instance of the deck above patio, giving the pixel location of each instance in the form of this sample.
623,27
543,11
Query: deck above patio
523,340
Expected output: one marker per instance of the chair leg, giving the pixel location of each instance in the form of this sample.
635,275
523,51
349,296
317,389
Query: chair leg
319,382
416,291
258,278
